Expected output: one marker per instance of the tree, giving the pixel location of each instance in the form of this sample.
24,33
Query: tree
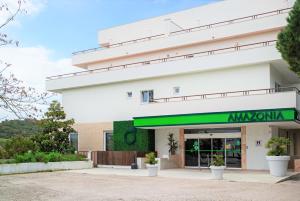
26,127
288,42
15,98
55,130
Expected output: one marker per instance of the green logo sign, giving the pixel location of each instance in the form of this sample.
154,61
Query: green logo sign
255,116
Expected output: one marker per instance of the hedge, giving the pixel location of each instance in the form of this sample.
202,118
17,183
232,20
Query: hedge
128,138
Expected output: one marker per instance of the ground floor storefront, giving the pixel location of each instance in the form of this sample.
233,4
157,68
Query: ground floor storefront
239,136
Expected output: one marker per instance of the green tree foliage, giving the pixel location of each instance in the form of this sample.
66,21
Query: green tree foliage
289,39
9,128
19,145
55,131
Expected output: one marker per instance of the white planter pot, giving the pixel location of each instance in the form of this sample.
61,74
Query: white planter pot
217,172
152,170
278,165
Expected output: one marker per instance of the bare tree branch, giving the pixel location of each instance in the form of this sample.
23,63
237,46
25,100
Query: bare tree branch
15,98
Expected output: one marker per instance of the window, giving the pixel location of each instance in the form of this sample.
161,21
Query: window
277,87
73,137
129,94
108,141
176,90
147,96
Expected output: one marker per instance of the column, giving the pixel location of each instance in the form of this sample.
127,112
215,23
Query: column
244,147
181,148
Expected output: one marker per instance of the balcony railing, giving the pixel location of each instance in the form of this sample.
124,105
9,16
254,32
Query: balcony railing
225,94
192,29
169,59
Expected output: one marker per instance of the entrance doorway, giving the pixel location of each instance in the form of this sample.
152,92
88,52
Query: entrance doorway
199,152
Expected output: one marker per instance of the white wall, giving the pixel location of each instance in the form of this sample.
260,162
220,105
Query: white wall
109,102
256,155
202,15
161,140
276,77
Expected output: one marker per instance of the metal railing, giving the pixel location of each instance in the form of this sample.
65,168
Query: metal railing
169,59
192,29
225,94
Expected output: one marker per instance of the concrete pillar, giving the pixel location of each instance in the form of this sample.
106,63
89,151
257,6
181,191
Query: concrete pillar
181,148
244,147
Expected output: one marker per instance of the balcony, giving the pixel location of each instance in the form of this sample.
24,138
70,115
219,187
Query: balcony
262,52
257,99
211,32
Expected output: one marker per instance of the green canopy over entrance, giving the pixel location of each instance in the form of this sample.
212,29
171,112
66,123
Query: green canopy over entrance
248,116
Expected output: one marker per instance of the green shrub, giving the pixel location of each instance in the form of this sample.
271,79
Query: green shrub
25,158
19,145
73,157
45,157
218,160
3,153
7,161
150,158
277,146
41,157
55,157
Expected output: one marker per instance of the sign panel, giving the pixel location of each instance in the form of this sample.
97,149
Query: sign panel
250,116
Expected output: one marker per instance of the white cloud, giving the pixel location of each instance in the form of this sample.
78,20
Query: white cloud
33,64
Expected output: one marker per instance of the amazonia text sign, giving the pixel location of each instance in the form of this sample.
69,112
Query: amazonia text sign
269,115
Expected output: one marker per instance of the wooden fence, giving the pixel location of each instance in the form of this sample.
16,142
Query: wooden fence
124,158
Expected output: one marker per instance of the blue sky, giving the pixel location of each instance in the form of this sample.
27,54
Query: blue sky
65,26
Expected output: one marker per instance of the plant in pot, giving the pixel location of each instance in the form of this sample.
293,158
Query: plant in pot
217,167
151,164
277,156
173,144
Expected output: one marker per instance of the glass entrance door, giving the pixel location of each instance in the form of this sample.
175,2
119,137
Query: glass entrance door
205,152
200,152
192,152
233,152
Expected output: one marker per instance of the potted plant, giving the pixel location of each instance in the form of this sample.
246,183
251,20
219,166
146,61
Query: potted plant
173,144
151,164
277,156
217,167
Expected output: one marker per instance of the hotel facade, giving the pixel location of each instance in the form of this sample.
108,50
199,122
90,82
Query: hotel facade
210,75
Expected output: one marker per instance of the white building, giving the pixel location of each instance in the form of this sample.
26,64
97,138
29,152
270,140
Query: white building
210,75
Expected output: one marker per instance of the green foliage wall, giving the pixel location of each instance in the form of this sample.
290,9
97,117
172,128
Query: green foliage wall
144,139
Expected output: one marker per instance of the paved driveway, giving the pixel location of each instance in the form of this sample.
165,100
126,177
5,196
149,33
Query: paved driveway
72,186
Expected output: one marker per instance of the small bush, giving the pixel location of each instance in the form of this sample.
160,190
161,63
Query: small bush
25,158
74,157
218,160
19,145
278,146
55,157
7,161
150,158
41,157
3,153
46,157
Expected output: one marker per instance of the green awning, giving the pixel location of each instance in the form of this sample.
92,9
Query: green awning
248,116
